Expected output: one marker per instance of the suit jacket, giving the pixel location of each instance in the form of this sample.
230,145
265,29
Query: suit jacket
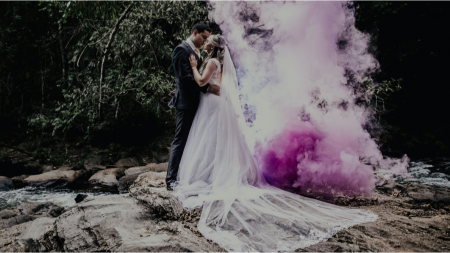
187,94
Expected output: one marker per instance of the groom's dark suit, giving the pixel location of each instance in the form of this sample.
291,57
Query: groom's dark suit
185,100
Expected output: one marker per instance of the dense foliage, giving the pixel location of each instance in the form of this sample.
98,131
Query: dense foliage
84,67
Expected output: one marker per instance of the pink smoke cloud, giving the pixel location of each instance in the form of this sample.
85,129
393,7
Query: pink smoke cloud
303,160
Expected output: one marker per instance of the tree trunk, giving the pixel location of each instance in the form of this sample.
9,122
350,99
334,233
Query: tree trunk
108,45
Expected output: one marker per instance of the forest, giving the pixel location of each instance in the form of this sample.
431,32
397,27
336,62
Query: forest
81,73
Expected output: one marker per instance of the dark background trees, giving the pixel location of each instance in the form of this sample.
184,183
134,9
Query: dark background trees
71,70
409,39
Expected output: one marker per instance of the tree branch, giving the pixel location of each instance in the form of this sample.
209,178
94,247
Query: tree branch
111,37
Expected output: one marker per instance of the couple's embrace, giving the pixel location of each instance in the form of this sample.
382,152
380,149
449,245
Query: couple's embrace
211,164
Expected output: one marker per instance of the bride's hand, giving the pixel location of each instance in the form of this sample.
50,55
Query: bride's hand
193,61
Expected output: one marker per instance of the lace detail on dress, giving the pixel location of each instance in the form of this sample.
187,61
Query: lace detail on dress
215,77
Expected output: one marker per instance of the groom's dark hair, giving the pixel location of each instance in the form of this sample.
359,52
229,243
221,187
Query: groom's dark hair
200,27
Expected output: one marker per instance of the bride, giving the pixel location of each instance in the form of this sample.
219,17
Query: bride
241,211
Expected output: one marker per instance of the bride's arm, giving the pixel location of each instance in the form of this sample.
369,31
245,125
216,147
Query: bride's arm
202,80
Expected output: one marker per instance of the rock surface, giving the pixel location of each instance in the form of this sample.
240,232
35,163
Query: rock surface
60,177
411,218
101,223
149,189
92,163
6,183
107,177
155,167
18,181
128,162
27,212
126,181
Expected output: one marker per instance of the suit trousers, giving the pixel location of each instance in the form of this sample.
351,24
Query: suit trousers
182,127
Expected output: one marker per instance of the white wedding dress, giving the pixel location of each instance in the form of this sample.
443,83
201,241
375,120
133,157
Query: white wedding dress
241,211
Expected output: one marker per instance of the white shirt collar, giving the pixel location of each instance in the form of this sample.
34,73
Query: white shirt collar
189,41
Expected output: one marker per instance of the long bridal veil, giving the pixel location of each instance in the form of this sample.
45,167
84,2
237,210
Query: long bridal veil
241,211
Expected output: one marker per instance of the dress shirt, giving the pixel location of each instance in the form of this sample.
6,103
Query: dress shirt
189,41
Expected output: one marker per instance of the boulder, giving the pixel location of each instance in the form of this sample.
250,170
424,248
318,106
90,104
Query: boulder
6,183
19,182
118,223
93,163
128,162
426,193
107,177
27,212
149,189
38,235
390,186
149,167
56,178
161,156
126,181
47,168
80,197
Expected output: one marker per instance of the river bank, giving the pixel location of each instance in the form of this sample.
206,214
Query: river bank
412,217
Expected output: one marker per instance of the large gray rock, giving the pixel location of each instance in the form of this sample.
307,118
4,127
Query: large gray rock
126,181
425,193
18,181
107,177
27,212
128,162
93,163
118,223
149,189
60,177
6,183
160,167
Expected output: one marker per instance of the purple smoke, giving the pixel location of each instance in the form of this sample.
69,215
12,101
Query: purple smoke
300,67
303,160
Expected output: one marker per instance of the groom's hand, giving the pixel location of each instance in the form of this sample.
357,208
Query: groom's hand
214,89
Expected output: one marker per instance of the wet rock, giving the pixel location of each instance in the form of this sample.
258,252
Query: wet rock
93,163
161,156
56,178
27,212
107,177
126,181
425,193
149,189
390,187
149,167
80,197
47,168
128,162
19,182
6,183
66,168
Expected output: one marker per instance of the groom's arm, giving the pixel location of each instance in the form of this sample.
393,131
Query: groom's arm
182,59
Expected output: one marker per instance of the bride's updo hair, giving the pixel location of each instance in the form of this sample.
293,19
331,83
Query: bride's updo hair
218,42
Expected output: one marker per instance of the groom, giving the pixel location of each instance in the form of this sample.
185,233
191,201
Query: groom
187,94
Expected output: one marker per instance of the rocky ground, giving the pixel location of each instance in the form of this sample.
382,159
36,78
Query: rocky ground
148,218
145,217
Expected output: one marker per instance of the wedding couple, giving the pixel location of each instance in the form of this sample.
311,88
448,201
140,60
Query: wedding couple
212,164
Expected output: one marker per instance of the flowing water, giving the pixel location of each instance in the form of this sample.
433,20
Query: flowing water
434,172
60,197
